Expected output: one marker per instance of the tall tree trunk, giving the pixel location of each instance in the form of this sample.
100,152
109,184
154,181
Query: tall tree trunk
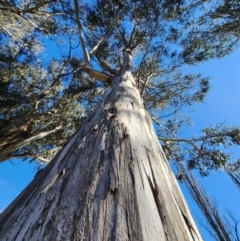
110,182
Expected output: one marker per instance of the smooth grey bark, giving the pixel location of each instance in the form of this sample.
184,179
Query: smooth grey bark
111,181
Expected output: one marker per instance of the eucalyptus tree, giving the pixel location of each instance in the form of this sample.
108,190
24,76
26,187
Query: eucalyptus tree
164,88
220,227
112,179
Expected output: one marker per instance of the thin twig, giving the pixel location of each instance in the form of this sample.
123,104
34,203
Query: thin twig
145,83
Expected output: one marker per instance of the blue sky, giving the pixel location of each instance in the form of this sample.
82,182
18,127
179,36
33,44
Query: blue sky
221,105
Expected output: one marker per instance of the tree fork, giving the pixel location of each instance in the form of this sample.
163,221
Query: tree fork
111,181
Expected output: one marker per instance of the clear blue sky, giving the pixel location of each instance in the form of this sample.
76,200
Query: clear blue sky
222,104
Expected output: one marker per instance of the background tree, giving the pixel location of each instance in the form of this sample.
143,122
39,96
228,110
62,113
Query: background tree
220,227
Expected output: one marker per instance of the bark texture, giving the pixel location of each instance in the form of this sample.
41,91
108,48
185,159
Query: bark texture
110,182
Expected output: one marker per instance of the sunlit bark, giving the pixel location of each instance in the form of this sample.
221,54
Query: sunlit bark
110,182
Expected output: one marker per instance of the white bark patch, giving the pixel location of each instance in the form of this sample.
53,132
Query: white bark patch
50,184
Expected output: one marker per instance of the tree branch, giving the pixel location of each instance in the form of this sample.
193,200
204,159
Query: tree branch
124,38
104,65
8,33
80,32
108,33
102,40
41,4
20,11
6,152
182,140
98,75
145,83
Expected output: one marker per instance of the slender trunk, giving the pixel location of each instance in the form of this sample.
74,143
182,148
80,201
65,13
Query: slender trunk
216,225
110,182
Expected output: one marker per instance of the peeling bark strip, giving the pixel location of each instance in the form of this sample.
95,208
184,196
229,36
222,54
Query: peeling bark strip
110,182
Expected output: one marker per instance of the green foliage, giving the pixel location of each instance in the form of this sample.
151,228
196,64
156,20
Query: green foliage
176,91
32,101
35,95
210,151
214,33
42,90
